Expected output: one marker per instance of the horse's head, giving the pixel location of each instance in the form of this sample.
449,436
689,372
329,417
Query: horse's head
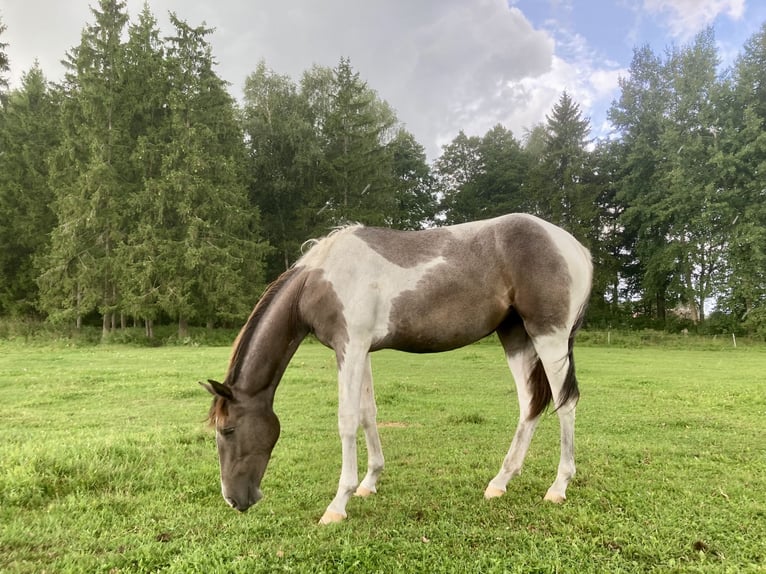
246,431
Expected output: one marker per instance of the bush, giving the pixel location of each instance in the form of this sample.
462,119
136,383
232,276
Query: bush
755,323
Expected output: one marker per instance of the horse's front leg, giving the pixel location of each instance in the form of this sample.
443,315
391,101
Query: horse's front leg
350,376
369,424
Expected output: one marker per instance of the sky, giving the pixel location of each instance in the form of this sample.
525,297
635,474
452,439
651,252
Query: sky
443,65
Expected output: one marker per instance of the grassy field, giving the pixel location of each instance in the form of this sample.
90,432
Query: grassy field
106,466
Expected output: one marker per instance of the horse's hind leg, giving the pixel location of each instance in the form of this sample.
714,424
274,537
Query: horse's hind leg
521,356
554,354
368,414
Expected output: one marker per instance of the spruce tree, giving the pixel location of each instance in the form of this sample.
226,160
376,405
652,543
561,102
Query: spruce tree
89,171
28,134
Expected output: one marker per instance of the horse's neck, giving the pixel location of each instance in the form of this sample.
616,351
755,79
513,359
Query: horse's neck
273,343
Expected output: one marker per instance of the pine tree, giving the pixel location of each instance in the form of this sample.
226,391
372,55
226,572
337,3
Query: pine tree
355,181
28,134
5,65
565,162
146,86
88,173
209,242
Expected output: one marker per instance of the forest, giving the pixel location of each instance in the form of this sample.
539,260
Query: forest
139,191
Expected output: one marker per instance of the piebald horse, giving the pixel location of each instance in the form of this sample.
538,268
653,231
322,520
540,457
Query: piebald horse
361,289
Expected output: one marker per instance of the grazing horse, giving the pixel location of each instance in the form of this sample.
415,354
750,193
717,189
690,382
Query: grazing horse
361,289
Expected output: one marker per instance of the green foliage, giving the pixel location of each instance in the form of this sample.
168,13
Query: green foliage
482,177
151,202
28,133
106,465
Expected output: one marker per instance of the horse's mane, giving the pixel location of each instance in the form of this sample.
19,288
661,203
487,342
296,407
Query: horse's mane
242,341
219,409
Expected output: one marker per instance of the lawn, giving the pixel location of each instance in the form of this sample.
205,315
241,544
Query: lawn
106,466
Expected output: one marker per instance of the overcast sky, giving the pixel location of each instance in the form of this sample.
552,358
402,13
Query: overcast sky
444,65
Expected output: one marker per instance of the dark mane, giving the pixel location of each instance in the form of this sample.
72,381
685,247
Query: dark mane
219,410
242,341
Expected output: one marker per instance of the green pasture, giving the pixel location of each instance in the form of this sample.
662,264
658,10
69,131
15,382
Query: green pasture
106,465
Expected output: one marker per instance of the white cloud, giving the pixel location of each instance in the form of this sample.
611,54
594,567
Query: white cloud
439,63
444,65
687,17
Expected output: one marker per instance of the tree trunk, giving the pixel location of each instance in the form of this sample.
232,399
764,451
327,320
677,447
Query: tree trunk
105,324
183,328
149,329
78,324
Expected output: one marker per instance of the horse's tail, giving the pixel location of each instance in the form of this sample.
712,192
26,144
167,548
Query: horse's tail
540,386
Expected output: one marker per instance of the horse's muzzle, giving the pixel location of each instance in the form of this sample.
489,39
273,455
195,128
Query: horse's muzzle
245,503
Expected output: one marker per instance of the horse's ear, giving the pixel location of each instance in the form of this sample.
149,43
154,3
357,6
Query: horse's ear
218,389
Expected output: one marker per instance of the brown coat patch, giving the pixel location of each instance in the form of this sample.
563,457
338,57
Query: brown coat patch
405,248
322,311
510,264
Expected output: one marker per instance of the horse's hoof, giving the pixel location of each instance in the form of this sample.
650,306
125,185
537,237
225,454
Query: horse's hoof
555,497
363,491
493,492
330,517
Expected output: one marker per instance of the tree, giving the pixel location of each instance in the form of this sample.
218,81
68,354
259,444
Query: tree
560,172
28,133
355,180
694,206
283,152
482,177
676,210
4,63
639,115
740,164
88,173
457,171
413,184
209,246
147,86
610,245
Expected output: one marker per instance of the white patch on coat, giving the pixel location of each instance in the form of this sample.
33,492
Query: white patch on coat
365,282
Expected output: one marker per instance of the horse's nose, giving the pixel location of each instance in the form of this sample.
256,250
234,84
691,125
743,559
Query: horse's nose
242,506
236,505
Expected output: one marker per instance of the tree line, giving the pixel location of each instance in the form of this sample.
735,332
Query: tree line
139,190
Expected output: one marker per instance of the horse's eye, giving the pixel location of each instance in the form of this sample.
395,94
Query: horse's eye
227,431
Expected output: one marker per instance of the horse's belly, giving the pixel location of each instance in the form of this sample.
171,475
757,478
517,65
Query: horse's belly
443,326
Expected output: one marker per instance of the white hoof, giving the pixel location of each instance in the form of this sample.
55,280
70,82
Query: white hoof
492,492
554,497
363,491
330,517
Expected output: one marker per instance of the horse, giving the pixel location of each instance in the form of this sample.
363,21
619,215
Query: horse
361,289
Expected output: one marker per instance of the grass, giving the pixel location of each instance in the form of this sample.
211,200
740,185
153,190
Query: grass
106,466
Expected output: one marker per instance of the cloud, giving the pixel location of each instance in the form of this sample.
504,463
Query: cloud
441,64
687,17
437,62
444,65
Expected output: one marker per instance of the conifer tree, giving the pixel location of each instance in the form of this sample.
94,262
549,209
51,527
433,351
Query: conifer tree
28,133
88,174
209,242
